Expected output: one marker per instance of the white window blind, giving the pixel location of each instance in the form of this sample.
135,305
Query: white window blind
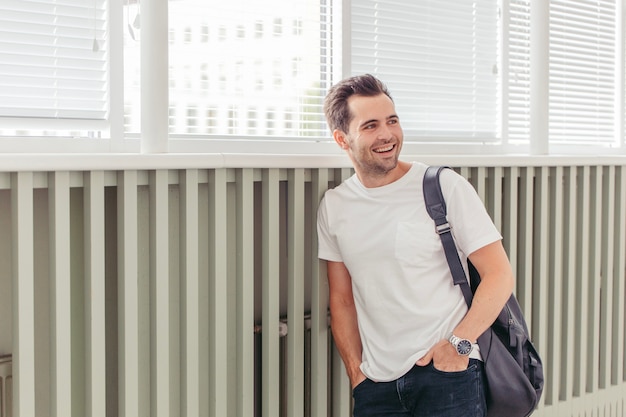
244,68
517,72
53,62
440,60
583,72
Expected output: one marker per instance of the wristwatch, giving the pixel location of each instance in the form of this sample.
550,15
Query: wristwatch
463,346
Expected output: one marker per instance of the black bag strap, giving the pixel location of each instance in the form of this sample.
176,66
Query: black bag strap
436,207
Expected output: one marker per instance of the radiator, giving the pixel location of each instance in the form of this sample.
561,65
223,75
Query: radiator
6,384
197,292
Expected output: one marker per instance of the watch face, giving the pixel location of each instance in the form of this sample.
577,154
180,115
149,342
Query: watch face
464,347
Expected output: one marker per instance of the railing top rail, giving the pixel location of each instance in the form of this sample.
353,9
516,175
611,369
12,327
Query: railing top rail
90,162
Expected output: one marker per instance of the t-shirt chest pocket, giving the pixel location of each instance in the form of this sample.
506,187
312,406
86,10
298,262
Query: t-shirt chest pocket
416,242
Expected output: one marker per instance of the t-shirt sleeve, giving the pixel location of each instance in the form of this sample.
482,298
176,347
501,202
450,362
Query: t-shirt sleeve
327,242
471,225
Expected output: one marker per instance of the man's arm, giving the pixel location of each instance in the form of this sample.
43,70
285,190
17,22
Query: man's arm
343,320
494,290
496,286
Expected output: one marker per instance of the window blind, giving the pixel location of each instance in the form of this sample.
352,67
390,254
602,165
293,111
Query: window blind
517,72
245,68
53,60
583,72
440,60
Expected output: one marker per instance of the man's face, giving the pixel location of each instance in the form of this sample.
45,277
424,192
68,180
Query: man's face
374,139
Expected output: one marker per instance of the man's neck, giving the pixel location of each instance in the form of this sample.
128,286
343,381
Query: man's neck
373,181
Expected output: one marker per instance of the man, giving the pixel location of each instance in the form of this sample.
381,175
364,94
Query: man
402,328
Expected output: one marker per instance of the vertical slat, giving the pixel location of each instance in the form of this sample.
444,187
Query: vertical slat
619,325
192,348
570,237
295,314
205,242
582,271
245,292
466,172
162,327
132,401
524,284
270,311
218,290
6,375
594,276
495,177
480,184
60,297
95,302
540,266
607,197
510,215
342,391
319,310
23,295
555,331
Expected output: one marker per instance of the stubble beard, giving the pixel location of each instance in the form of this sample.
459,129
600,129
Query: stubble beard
370,165
379,169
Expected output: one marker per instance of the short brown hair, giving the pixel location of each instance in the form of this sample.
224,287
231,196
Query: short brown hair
336,103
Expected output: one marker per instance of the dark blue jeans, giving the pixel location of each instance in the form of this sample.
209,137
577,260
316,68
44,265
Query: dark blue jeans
424,392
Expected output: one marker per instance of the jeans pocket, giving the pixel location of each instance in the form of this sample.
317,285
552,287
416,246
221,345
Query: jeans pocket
455,393
359,385
471,368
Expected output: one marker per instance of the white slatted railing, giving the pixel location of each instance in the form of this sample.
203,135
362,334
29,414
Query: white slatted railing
138,292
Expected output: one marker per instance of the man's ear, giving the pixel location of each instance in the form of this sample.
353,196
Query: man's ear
340,138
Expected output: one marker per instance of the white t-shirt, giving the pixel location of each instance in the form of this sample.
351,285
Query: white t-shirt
404,294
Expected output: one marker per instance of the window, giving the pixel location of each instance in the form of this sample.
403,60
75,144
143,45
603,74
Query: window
583,93
247,71
54,78
439,59
457,79
583,74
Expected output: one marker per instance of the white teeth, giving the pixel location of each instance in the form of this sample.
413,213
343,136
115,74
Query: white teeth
387,149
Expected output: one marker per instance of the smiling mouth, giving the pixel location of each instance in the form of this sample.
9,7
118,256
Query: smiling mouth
388,148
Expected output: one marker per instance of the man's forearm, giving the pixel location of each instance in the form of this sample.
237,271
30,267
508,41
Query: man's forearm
492,293
343,320
346,336
486,305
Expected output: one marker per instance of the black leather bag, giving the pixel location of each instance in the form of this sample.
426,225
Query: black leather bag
513,368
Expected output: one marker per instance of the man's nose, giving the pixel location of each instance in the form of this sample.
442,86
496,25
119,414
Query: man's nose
384,132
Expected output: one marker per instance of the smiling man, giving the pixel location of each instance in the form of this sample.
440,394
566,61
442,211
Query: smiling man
402,328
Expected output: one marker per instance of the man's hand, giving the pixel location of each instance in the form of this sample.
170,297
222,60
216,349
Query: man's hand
357,378
444,358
